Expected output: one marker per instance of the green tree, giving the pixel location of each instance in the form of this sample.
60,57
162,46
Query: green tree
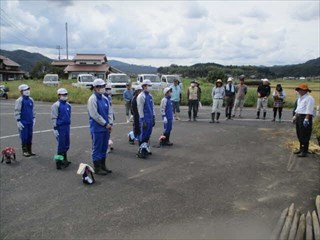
215,75
40,69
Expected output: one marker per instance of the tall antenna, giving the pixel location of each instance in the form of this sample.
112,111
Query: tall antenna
67,40
59,47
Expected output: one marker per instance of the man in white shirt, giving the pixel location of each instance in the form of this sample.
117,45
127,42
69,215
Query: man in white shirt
303,118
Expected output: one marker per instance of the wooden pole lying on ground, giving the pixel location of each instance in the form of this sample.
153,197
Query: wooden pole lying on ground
287,225
301,229
294,225
318,206
309,234
316,227
276,232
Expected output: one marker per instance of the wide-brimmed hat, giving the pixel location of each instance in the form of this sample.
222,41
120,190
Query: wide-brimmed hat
219,81
303,86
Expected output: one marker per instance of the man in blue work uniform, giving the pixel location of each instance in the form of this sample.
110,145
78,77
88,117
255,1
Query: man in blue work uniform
61,120
167,116
107,97
147,118
100,127
25,115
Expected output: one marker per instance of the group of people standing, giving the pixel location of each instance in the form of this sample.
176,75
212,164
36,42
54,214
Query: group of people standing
140,105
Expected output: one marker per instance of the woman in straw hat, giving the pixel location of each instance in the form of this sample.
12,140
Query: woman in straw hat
303,118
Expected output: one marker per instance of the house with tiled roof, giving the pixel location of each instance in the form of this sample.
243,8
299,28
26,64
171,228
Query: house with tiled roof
95,64
9,70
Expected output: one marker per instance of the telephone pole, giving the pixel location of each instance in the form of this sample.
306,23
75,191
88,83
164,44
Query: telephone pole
59,47
67,40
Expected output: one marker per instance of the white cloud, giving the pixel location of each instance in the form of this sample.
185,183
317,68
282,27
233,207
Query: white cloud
162,33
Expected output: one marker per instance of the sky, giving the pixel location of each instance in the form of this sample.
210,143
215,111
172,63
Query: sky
161,33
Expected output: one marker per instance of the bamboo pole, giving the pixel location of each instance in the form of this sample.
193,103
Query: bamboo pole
276,231
302,228
287,224
294,225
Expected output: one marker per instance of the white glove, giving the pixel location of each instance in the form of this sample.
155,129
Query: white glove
56,133
34,122
20,126
165,120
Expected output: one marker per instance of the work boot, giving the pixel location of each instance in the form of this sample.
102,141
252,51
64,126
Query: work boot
264,115
29,148
218,116
299,150
167,140
103,166
212,117
59,165
258,115
97,168
25,151
302,154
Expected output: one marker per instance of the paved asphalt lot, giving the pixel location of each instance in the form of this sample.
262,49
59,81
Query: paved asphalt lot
218,181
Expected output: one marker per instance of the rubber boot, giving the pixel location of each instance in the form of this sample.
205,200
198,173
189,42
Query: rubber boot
218,116
65,159
25,151
59,165
299,150
258,115
29,147
212,117
97,168
103,166
167,141
189,115
264,115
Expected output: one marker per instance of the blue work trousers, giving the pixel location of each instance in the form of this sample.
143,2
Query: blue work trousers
63,139
145,131
167,127
100,142
26,134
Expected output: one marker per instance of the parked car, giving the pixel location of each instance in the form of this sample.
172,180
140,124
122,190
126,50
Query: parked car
118,82
51,80
167,80
84,80
154,78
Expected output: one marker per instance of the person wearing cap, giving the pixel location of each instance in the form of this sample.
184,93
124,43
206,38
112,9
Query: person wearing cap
278,96
145,107
100,127
176,98
107,96
167,115
61,120
134,134
193,100
230,92
25,114
127,97
303,118
263,91
241,91
217,94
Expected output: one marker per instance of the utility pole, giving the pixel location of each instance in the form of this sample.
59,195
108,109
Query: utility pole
59,47
67,40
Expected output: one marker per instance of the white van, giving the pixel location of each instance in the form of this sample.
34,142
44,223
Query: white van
154,78
84,80
167,80
51,80
118,82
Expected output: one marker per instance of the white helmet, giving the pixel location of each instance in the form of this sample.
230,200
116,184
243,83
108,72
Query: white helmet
167,89
62,91
23,87
98,82
146,82
108,86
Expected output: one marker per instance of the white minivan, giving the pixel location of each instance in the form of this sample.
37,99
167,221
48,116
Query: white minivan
51,80
118,82
154,78
84,80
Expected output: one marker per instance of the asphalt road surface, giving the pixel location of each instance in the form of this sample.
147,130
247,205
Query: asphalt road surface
219,181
